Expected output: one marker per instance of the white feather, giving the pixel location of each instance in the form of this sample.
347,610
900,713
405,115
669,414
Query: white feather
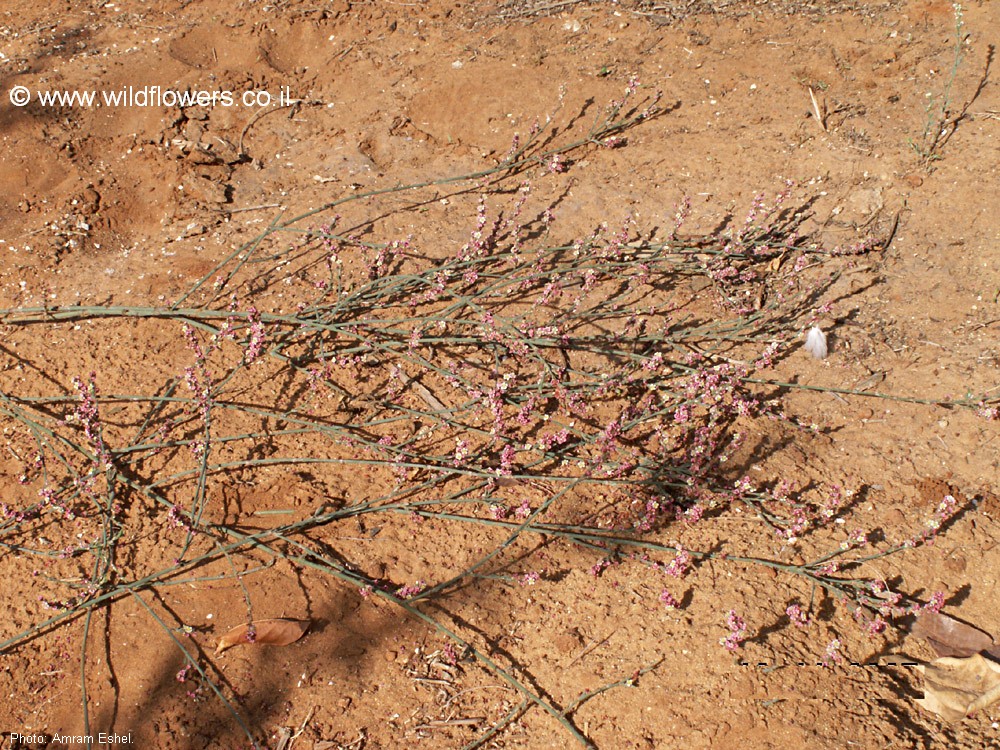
816,343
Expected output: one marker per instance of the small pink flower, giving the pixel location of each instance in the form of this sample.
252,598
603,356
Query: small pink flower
988,412
832,654
498,511
255,345
410,590
668,600
936,602
597,568
680,564
798,618
856,538
737,632
506,460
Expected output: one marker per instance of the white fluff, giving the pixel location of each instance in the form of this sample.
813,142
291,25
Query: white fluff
816,343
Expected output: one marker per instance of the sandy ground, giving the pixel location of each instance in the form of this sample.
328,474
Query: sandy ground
861,105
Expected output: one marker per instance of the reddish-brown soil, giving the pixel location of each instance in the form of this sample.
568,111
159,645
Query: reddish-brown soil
132,205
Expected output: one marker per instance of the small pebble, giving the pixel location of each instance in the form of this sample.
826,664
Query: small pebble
567,642
895,519
955,564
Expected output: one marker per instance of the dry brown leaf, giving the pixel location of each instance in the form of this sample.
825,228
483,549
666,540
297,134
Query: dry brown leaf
279,632
949,637
955,687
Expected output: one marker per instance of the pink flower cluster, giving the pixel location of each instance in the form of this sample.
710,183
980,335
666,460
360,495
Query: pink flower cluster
667,600
832,654
87,414
796,616
679,565
410,590
737,632
255,344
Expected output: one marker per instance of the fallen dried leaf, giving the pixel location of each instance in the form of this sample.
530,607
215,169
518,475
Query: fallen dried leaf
949,637
957,687
279,632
